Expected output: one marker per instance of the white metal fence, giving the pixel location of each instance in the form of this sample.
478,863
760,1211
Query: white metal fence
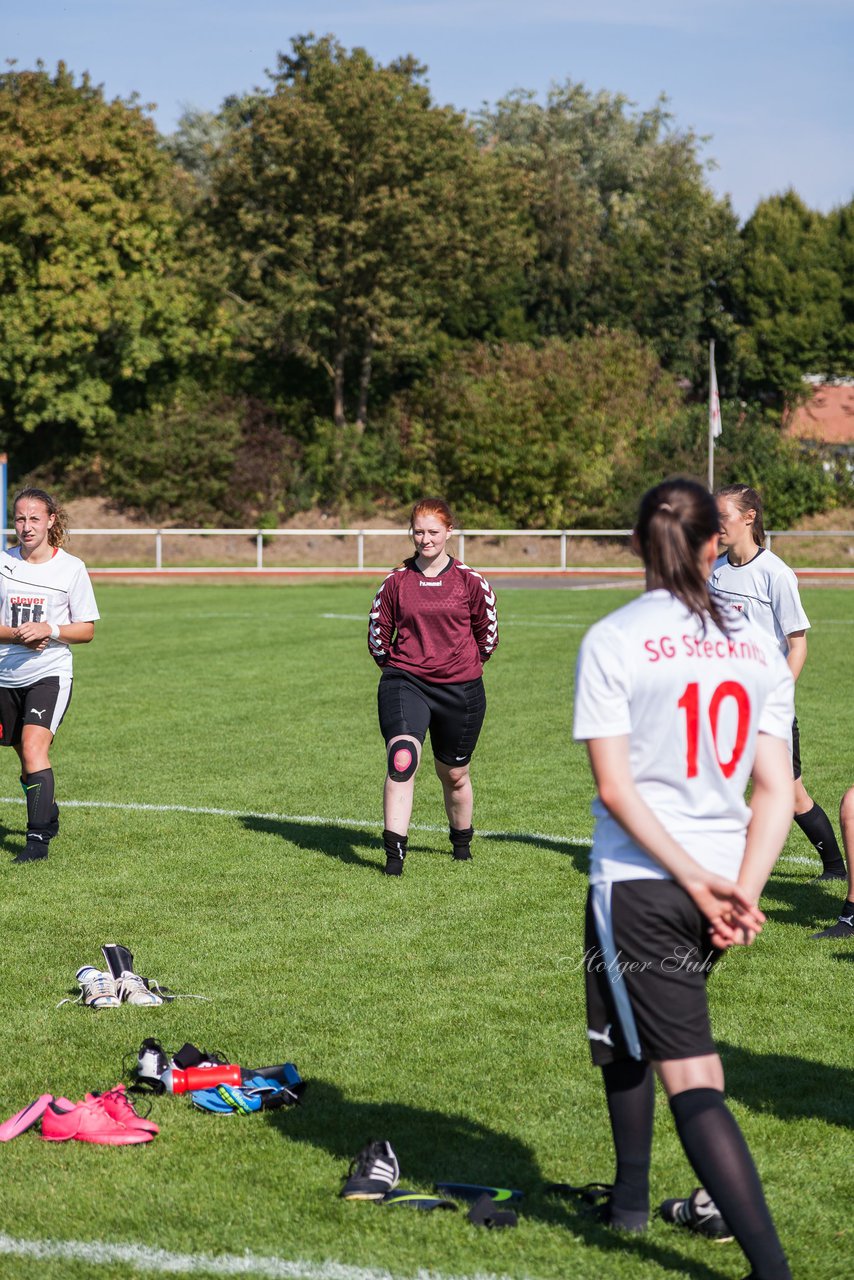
262,538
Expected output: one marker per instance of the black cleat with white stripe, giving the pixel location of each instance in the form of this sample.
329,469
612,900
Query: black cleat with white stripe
373,1173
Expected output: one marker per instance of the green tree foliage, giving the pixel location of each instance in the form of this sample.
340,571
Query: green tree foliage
752,450
789,298
628,233
516,434
205,459
569,435
98,301
361,219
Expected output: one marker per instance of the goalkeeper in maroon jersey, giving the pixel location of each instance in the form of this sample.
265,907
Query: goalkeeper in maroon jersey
433,625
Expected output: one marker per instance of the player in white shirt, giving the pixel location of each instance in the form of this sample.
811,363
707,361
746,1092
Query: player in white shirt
679,704
753,581
46,604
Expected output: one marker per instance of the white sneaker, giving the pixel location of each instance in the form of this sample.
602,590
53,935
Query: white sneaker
97,988
132,989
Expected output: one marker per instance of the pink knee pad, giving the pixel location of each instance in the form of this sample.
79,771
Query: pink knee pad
402,761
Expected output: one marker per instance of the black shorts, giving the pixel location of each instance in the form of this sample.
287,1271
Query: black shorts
44,703
796,749
452,712
647,958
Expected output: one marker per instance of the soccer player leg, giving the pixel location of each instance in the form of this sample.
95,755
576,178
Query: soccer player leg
626,1075
404,756
843,927
38,784
459,806
721,1159
813,820
404,716
454,731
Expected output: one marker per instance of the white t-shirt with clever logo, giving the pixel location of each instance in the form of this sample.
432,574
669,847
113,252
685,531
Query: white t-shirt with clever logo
56,591
692,704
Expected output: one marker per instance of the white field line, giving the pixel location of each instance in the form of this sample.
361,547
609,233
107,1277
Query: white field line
309,819
318,820
144,1258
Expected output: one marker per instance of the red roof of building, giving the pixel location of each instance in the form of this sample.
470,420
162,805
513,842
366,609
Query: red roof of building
828,416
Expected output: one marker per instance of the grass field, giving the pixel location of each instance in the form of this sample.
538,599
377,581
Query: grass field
443,1012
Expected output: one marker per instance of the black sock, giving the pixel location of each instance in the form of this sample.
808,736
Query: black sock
461,838
720,1157
39,791
630,1090
395,845
815,825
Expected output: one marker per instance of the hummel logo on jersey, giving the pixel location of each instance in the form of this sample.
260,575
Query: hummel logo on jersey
436,582
35,711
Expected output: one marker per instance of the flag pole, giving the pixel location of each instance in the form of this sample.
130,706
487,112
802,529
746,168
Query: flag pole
714,414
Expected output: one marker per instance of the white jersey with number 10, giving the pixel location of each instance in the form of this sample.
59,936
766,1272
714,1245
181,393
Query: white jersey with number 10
691,703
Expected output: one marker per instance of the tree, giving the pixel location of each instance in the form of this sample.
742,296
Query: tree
788,299
98,296
628,233
362,218
535,436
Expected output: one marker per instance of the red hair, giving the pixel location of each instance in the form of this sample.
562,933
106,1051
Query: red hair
432,507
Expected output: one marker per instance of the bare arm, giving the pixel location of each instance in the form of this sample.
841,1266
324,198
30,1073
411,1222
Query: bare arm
797,655
770,804
35,635
726,906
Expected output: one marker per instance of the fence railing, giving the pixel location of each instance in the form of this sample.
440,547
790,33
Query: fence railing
263,537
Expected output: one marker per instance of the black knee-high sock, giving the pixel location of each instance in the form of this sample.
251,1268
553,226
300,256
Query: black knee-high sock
720,1157
817,828
630,1090
39,789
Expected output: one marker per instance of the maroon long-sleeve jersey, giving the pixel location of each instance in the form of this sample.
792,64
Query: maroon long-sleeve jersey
441,629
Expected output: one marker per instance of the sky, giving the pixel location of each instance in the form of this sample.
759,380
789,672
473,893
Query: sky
769,82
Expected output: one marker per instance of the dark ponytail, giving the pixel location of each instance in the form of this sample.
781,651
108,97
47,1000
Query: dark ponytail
675,521
747,499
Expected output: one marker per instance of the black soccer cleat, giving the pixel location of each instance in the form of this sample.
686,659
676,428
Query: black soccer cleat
842,930
372,1174
699,1214
596,1199
35,849
831,873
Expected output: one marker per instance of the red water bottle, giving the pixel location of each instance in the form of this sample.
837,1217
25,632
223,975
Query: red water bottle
177,1081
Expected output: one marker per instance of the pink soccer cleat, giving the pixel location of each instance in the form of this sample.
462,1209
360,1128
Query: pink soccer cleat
22,1120
119,1107
88,1122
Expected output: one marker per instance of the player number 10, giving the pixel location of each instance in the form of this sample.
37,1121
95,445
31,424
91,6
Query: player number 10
690,702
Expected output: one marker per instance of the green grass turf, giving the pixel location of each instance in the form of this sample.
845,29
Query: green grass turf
443,1011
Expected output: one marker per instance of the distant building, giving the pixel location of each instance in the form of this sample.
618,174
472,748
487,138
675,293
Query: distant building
828,416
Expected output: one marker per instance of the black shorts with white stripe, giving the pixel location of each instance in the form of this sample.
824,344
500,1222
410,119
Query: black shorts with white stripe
647,959
43,703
